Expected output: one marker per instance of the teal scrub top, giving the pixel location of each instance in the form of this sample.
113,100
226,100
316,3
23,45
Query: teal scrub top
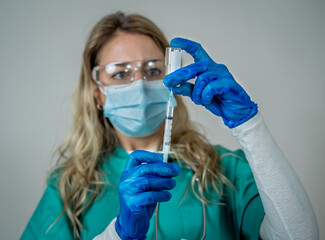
239,217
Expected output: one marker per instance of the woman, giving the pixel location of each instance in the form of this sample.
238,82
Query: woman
107,185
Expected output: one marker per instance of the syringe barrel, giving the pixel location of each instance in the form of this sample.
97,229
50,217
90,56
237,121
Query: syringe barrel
173,59
167,134
167,137
170,108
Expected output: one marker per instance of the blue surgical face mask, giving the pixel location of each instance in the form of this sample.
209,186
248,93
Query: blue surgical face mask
137,109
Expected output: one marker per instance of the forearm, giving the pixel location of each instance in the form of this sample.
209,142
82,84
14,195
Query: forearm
289,214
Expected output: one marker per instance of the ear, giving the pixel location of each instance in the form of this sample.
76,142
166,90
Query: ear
99,96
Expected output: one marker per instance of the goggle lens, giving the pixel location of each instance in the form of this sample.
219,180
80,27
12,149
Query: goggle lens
124,72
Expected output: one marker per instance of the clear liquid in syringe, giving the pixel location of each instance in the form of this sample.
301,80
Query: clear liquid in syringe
168,128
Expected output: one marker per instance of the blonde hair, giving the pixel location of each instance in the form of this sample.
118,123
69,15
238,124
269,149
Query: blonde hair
91,136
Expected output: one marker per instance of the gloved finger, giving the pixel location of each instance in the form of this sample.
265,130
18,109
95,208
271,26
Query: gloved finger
218,73
184,74
152,183
221,70
148,198
201,82
227,110
215,109
193,48
166,170
184,89
229,100
219,87
139,156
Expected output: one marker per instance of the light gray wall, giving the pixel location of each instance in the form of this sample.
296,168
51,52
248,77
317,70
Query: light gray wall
275,49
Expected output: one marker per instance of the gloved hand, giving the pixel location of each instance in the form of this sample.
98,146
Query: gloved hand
141,187
215,88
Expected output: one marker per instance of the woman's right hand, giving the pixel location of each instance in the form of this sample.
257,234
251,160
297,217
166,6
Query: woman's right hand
141,187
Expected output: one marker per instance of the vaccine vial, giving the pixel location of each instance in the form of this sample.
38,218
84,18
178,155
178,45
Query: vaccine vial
173,59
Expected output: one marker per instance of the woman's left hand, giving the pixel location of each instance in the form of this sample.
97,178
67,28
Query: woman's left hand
215,88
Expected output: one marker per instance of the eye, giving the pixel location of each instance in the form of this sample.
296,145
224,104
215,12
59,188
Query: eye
153,72
122,75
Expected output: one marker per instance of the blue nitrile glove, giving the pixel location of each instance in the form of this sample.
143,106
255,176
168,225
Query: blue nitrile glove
141,187
215,88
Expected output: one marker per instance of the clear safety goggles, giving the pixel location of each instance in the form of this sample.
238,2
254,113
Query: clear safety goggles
124,72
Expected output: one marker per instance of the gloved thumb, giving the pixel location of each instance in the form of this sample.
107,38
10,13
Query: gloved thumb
193,48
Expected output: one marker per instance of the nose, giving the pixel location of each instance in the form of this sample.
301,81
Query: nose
137,75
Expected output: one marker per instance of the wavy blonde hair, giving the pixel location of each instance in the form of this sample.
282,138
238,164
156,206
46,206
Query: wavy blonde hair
91,136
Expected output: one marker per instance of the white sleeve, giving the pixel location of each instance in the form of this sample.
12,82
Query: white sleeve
109,233
288,212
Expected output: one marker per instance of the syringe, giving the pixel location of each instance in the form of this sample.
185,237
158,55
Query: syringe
172,62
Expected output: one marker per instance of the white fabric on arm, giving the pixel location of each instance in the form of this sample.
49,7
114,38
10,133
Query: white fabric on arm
109,233
288,212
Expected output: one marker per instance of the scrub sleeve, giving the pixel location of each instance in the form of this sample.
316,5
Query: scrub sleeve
47,211
94,219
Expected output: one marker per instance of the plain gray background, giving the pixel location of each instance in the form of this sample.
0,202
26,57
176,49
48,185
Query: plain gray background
275,50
